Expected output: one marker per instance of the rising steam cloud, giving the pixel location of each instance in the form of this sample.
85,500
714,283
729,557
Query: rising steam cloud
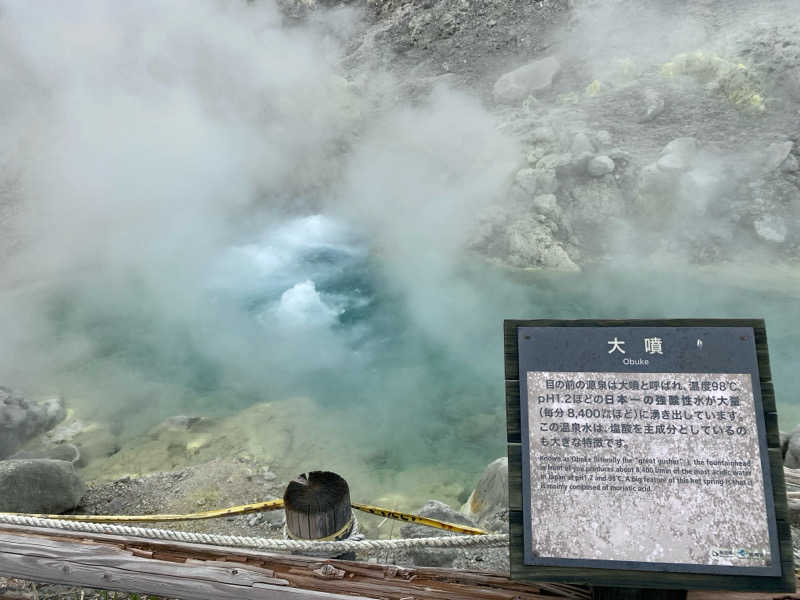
200,210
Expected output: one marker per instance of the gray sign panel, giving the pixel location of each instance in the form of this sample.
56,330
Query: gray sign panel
645,448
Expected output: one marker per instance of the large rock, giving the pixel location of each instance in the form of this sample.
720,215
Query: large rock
652,105
597,199
435,557
91,440
529,243
698,189
771,228
655,191
599,166
678,155
533,77
791,457
489,500
775,154
21,420
39,486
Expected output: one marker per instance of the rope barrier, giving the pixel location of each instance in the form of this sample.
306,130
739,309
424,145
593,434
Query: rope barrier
252,508
464,541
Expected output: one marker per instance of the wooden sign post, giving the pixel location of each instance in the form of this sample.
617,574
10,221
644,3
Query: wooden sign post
317,507
644,457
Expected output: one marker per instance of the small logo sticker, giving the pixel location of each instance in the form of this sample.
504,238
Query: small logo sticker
738,553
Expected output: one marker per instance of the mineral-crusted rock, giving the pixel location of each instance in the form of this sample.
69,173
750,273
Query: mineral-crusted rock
528,79
530,244
21,420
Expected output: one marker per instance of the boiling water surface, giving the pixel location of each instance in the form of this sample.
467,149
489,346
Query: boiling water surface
387,377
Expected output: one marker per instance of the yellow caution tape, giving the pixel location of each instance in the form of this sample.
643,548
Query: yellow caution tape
209,514
408,517
334,537
257,507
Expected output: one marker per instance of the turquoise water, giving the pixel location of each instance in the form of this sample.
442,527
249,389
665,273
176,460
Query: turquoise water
309,309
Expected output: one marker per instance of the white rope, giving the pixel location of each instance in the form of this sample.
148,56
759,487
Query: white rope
353,536
460,541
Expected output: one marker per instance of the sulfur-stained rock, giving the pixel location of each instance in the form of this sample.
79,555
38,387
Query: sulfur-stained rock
490,496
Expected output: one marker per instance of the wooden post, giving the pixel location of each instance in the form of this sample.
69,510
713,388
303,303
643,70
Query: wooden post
317,507
617,593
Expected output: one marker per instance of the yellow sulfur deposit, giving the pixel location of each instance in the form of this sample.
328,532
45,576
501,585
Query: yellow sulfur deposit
593,88
735,80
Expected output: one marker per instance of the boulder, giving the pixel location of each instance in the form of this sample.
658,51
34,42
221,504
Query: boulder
91,440
603,138
434,557
652,105
784,437
529,243
547,204
771,228
790,164
697,189
775,154
678,155
543,135
792,457
597,199
683,146
537,180
599,166
39,486
581,144
489,499
21,420
67,452
526,179
533,77
655,191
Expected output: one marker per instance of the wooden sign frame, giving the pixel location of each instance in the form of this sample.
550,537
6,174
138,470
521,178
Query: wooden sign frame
612,577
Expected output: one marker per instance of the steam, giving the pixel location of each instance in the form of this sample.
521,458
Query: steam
200,210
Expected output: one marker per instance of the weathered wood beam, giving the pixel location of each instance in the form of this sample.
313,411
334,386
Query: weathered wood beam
194,571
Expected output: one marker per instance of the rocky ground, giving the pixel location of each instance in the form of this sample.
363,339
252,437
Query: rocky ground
685,149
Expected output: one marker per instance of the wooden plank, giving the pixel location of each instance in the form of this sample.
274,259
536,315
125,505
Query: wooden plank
514,476
767,397
778,485
773,432
108,562
717,595
106,567
513,413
